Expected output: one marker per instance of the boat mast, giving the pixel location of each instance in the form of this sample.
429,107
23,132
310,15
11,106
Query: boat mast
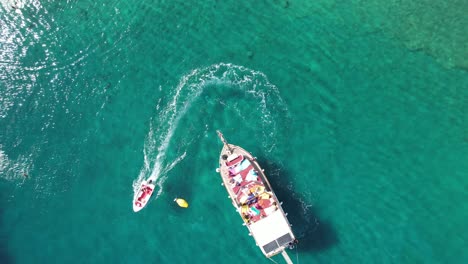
220,135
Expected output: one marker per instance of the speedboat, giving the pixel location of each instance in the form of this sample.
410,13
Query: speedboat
143,195
252,196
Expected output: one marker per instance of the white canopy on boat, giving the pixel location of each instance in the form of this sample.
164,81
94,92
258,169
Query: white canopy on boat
270,228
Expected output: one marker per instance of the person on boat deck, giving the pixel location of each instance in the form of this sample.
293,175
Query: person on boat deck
247,218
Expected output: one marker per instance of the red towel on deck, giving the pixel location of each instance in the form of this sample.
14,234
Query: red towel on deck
244,173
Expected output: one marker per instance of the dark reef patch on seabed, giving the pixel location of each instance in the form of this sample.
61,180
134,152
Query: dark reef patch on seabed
177,190
5,256
314,234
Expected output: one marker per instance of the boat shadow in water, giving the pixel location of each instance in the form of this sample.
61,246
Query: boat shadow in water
313,233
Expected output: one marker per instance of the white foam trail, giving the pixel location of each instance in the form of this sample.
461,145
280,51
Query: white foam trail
174,116
14,169
3,161
175,162
254,85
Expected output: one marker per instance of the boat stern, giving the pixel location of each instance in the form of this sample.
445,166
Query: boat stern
137,206
273,234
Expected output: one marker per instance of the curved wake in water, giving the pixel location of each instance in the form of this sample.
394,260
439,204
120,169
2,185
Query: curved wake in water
225,88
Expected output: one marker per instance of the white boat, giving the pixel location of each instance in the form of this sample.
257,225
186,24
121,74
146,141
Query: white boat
143,195
255,201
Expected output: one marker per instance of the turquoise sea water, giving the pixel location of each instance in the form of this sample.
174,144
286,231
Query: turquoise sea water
361,127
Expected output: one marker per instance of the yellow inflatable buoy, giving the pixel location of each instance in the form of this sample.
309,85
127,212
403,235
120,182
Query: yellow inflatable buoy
181,202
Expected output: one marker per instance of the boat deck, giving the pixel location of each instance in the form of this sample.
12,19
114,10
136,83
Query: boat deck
254,199
246,184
